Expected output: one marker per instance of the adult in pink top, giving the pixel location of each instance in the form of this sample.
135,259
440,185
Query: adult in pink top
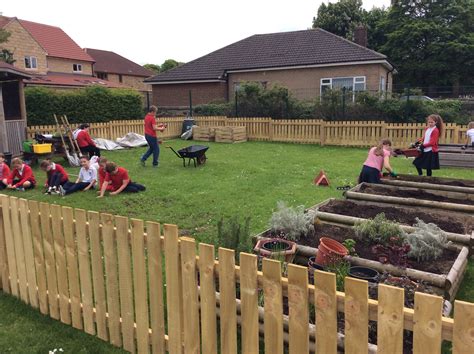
377,159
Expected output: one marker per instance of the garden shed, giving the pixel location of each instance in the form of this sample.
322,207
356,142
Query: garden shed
12,108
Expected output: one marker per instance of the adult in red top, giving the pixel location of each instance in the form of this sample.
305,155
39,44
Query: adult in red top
429,159
118,180
150,135
85,142
21,176
4,172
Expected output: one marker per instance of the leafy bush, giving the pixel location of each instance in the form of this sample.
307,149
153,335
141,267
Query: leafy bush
214,109
91,104
427,241
233,234
379,230
292,222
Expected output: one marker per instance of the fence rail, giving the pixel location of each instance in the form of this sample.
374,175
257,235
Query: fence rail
105,274
304,131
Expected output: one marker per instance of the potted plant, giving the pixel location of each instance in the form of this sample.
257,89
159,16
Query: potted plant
276,248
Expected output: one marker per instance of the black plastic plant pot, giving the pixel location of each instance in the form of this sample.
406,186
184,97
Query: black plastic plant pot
315,266
276,246
364,273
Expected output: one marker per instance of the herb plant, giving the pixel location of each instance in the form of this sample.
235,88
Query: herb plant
290,222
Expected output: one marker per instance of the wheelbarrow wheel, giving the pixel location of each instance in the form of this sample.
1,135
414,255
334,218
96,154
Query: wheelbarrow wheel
201,160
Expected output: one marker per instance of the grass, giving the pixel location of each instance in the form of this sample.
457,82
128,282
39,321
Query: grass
245,180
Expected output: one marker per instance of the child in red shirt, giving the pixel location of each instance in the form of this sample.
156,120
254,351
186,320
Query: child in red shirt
21,176
101,174
118,180
4,172
86,144
56,176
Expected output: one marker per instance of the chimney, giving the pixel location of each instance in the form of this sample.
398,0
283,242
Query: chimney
360,35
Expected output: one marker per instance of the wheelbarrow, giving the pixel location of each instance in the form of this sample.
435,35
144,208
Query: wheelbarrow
197,153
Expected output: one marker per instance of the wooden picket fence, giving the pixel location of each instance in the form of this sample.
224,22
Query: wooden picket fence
303,131
107,276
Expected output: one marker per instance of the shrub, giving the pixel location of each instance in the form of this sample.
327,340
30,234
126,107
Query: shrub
292,222
379,230
233,234
214,109
91,104
427,241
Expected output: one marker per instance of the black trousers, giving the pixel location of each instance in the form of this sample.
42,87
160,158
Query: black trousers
54,180
133,187
91,150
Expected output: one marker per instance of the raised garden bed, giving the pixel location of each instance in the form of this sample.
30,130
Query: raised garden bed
437,199
458,226
453,155
438,183
443,275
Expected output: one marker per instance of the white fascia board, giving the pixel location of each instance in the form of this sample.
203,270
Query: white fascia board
181,82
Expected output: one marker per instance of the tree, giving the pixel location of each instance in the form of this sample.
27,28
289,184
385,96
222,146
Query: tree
340,18
5,55
169,64
373,20
431,42
153,67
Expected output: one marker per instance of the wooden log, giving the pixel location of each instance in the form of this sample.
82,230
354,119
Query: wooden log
441,187
453,279
409,201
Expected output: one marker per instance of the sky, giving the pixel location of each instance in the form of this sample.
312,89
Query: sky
150,31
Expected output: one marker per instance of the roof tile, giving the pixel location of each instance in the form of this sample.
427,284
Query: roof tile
110,62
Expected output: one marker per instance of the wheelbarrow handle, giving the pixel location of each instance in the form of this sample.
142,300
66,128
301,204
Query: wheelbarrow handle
175,152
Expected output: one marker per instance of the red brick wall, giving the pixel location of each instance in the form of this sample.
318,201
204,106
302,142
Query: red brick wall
177,95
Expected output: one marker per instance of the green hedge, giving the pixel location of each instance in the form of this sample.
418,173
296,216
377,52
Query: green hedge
91,104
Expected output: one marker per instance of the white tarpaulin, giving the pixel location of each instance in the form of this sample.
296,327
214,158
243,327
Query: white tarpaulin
105,144
132,140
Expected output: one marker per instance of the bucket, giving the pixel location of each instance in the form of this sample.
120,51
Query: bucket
330,251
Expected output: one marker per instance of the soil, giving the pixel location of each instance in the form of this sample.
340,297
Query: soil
441,266
446,221
411,193
436,180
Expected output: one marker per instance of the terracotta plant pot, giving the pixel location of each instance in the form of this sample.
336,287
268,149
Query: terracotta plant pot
330,251
364,273
276,248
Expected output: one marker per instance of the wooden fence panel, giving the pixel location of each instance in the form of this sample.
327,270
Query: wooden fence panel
155,274
463,330
85,271
208,299
356,312
29,255
173,290
100,301
326,312
190,296
140,285
72,267
61,269
427,324
228,307
111,277
127,311
298,303
35,222
273,297
48,247
19,250
390,319
249,303
5,281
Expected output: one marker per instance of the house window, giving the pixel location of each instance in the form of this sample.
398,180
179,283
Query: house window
77,68
350,84
120,78
31,63
102,76
382,84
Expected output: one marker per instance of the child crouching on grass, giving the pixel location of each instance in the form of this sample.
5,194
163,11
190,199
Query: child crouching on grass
56,176
4,172
378,158
86,180
21,176
117,178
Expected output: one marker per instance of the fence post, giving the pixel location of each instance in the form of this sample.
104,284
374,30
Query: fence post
382,131
322,133
110,126
270,129
456,134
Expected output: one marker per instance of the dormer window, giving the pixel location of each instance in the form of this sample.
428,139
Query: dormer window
77,68
30,62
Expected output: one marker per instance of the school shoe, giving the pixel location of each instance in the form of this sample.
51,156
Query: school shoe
48,191
55,191
62,191
20,189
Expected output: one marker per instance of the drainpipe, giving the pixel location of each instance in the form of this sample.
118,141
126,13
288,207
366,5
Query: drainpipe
386,80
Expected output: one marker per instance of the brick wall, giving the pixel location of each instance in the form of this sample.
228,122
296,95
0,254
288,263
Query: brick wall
61,65
22,44
177,95
133,81
305,83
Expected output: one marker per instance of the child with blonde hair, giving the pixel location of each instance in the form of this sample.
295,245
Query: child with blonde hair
377,159
21,176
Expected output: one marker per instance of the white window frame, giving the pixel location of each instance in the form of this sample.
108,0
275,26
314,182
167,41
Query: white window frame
383,86
78,68
327,81
32,60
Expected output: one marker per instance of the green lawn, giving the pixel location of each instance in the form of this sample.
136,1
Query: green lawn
241,179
